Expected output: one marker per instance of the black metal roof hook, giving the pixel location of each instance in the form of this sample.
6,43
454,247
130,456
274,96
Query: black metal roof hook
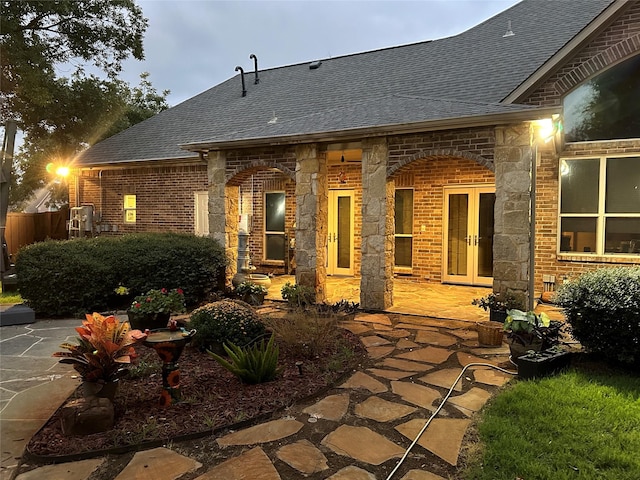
255,64
244,90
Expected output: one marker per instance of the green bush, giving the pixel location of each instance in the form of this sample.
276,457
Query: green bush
254,364
226,321
603,309
298,297
73,277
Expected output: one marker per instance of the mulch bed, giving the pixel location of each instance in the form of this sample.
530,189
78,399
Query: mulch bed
213,398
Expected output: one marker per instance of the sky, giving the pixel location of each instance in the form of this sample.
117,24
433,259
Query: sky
193,45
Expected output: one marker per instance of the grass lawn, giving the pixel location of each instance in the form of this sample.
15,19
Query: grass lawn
577,425
7,298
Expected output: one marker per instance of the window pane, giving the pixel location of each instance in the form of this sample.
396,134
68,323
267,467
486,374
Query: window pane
344,232
275,247
579,186
622,235
274,212
403,251
623,185
578,235
404,211
458,234
605,107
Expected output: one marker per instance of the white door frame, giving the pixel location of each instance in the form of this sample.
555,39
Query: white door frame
335,236
472,241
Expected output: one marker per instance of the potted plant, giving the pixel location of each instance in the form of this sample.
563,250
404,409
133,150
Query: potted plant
498,304
153,309
104,350
250,292
530,331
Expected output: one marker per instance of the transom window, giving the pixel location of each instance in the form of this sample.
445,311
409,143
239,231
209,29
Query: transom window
274,214
404,227
606,106
600,205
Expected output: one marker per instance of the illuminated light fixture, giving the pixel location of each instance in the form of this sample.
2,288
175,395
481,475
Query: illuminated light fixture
59,170
549,127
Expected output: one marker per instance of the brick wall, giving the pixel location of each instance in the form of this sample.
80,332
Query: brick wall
606,49
164,197
547,205
617,41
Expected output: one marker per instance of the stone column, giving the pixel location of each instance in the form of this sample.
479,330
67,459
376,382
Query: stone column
514,152
223,211
376,284
311,219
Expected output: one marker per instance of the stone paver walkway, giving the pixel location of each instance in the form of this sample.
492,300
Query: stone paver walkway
357,430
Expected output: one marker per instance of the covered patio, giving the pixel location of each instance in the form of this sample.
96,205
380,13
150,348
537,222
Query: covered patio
426,299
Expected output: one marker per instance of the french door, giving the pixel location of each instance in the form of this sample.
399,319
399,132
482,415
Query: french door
340,232
468,235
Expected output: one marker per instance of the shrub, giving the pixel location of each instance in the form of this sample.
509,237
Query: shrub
297,296
254,364
75,276
603,309
226,321
305,334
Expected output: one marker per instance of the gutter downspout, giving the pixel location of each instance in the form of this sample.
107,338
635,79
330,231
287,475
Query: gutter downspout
532,223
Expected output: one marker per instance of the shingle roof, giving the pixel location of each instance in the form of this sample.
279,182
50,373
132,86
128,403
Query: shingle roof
464,75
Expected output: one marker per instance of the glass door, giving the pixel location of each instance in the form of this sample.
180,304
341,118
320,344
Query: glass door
468,252
340,233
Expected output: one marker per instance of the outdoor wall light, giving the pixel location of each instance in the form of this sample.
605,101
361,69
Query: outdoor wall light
59,170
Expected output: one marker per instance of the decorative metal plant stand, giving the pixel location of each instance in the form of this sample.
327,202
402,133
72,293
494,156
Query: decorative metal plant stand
169,344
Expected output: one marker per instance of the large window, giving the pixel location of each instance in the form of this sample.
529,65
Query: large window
606,106
600,205
404,227
274,239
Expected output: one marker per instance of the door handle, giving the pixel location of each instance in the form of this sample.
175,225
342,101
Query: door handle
468,239
334,237
475,240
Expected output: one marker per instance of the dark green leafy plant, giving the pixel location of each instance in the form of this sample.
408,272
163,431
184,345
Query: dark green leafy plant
257,363
142,262
498,302
248,287
226,321
159,301
298,297
527,328
603,309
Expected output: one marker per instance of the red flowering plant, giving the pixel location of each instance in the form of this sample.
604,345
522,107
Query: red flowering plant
159,301
105,348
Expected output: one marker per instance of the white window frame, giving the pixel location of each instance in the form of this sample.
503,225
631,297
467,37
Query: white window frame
600,215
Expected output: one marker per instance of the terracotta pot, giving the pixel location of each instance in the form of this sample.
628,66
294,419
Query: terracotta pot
151,321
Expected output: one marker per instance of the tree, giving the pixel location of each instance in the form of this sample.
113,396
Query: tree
38,36
86,111
62,116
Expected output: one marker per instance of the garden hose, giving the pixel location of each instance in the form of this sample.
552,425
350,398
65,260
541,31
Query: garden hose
406,453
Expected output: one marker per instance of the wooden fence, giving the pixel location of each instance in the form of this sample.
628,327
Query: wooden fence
27,228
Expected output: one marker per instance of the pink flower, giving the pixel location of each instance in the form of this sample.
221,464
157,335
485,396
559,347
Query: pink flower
164,290
180,291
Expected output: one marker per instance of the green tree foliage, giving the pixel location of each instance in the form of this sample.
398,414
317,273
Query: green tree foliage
38,36
61,116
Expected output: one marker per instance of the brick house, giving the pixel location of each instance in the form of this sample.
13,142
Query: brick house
480,159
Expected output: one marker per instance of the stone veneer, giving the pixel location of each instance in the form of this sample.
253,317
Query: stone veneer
376,287
511,241
311,219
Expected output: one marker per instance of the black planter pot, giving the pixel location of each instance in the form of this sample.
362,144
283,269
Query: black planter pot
542,364
497,315
151,321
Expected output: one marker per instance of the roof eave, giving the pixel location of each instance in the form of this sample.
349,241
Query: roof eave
501,118
142,162
534,81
